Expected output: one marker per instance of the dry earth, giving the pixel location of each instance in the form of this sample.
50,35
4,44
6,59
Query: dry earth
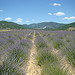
33,68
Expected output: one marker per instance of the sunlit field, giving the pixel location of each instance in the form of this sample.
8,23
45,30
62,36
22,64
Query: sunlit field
37,52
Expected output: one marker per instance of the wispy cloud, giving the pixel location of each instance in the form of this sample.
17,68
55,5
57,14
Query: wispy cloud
69,18
50,14
8,18
1,10
43,21
27,21
56,4
59,14
19,20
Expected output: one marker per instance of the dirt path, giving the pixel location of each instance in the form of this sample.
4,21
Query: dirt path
5,30
33,68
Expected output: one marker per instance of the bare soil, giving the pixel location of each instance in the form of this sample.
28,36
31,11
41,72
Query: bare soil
32,67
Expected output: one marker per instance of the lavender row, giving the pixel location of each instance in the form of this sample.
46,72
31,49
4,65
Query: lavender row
17,54
5,43
12,41
48,62
64,41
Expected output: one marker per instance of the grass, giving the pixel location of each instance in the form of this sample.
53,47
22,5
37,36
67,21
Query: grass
17,54
60,37
11,41
70,54
58,44
41,45
52,69
25,44
43,35
20,37
37,34
9,36
32,33
49,39
44,57
29,37
71,57
49,64
52,34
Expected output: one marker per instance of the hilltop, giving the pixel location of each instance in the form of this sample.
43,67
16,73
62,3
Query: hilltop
70,26
44,25
10,25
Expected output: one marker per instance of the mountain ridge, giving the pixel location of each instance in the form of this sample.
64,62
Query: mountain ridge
44,25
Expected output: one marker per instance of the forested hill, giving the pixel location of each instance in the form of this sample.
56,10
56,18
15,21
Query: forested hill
70,26
10,25
44,25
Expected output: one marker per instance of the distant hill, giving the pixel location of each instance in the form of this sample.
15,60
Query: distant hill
70,26
10,25
44,25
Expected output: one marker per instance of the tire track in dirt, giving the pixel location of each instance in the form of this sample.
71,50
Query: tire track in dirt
32,67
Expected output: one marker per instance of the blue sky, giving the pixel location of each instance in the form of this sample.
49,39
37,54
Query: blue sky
35,11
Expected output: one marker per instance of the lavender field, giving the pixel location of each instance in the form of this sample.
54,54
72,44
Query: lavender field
37,52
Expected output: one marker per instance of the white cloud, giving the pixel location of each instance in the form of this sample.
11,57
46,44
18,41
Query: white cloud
42,21
59,14
33,20
56,4
19,20
73,17
27,21
65,18
8,18
69,18
49,13
1,10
